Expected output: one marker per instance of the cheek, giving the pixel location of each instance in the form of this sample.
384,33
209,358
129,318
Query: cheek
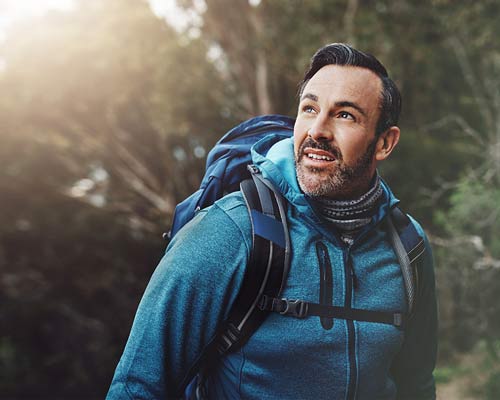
353,149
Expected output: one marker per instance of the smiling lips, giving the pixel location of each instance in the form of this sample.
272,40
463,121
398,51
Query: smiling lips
319,156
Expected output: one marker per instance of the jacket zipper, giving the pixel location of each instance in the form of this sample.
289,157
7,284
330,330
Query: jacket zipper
351,282
353,373
326,282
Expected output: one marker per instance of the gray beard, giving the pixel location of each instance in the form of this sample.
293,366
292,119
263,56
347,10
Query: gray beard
346,182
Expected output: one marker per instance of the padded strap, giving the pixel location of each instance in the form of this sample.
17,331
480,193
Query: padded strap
268,228
265,196
409,246
268,265
404,262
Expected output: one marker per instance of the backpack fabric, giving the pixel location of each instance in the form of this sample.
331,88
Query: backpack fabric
227,164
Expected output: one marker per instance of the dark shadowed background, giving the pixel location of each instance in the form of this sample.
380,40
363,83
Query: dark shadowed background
109,107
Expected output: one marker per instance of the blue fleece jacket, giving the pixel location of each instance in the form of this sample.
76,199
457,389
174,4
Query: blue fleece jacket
196,282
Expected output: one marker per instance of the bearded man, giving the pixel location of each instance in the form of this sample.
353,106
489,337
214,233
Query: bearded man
337,204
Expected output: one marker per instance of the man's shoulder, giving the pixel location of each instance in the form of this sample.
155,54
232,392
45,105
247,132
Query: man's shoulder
233,207
227,217
220,229
418,226
428,259
232,203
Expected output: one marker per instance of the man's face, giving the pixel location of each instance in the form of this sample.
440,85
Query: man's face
334,134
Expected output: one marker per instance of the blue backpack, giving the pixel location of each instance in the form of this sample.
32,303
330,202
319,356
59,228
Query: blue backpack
228,169
227,164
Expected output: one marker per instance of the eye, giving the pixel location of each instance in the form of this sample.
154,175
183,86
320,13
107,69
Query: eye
345,115
308,109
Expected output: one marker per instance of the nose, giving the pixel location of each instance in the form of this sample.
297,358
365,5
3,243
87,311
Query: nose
320,129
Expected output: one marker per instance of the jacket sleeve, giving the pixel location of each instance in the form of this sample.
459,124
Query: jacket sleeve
188,296
413,366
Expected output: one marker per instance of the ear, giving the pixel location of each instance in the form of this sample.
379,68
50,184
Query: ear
386,142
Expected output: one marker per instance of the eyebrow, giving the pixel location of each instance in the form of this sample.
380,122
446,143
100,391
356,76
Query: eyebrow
352,105
310,96
344,103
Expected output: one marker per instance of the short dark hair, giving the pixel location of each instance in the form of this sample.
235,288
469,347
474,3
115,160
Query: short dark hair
343,54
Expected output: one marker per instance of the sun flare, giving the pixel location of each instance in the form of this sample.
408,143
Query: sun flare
14,10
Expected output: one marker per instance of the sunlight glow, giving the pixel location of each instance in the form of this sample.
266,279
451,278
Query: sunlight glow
179,18
15,10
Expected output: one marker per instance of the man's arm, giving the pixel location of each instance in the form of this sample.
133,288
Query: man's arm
188,296
413,366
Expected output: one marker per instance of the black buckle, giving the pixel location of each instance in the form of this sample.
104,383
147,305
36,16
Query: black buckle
229,337
398,320
295,308
223,345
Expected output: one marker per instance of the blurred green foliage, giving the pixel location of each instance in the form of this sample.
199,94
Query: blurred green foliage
106,116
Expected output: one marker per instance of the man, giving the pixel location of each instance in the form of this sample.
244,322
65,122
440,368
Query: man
346,124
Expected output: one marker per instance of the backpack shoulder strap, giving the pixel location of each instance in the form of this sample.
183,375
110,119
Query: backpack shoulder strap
265,275
409,246
268,265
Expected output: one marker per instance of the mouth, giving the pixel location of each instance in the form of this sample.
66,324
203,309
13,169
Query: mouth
318,156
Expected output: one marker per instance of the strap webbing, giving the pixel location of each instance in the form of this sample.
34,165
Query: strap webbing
404,262
303,309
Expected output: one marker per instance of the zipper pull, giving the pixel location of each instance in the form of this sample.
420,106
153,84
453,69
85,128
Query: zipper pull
354,278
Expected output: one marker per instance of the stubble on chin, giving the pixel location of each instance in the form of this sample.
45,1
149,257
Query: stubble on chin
338,181
319,182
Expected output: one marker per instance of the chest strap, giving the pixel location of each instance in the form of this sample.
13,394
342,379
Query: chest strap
303,309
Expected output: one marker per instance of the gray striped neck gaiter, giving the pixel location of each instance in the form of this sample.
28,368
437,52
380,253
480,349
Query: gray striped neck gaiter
350,216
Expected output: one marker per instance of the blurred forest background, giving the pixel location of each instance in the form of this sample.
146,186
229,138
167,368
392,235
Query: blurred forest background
107,111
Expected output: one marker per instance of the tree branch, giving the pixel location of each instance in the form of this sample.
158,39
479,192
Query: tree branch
474,83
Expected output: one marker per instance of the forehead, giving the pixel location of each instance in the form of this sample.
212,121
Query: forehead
346,83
